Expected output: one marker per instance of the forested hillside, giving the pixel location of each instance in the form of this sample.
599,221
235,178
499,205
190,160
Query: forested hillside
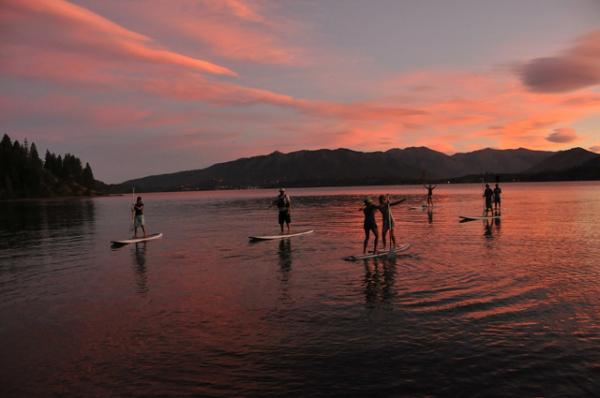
23,174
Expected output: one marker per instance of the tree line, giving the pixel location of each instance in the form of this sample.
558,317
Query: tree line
24,174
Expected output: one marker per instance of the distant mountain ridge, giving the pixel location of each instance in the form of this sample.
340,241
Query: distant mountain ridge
335,167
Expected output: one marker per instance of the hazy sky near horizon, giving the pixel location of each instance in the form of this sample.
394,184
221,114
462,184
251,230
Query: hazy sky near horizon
146,87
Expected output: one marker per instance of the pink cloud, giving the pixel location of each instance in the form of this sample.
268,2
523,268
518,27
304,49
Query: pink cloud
233,29
239,8
595,148
73,29
575,68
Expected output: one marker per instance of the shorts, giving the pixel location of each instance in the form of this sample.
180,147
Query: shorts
497,200
488,204
386,225
284,217
138,220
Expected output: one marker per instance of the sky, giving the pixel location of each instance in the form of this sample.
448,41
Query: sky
142,87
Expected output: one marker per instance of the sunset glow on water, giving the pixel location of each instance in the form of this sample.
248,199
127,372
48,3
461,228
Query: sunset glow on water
478,308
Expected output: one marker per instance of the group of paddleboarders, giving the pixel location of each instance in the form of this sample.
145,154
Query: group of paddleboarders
370,223
492,195
369,209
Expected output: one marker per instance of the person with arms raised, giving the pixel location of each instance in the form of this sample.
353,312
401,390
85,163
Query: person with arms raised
388,219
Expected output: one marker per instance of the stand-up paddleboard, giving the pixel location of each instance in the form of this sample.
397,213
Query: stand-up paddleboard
473,218
389,253
137,240
273,237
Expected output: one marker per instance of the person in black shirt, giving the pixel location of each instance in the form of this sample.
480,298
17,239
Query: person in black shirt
488,194
283,203
497,192
370,224
138,216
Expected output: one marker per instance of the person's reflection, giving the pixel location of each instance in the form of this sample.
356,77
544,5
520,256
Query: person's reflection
139,257
487,228
379,281
430,215
285,258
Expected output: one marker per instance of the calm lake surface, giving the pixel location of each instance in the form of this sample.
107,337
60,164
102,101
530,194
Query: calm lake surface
509,308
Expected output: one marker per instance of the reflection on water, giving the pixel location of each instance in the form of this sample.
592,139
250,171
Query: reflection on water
506,307
379,281
139,257
285,258
487,228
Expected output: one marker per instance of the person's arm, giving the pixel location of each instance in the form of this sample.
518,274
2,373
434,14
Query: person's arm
434,187
289,202
397,202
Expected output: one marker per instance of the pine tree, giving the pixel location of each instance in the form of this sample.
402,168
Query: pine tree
88,177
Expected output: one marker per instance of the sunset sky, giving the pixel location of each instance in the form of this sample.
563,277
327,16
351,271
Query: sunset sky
146,87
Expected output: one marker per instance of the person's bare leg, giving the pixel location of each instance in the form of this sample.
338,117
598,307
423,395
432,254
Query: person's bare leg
135,232
281,226
366,242
383,236
288,227
375,242
144,230
392,239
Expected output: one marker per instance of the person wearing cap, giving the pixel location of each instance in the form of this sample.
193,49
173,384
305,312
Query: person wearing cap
370,224
283,204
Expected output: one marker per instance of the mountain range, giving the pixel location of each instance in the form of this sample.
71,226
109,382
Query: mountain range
325,167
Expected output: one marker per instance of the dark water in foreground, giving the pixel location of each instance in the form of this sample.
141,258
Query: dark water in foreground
474,309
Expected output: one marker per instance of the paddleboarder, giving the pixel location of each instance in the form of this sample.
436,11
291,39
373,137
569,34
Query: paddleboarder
369,224
138,216
388,219
497,192
430,189
284,204
488,195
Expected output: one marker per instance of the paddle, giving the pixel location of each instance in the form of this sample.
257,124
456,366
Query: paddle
132,228
484,213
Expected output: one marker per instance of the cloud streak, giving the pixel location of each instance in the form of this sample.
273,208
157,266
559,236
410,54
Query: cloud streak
71,28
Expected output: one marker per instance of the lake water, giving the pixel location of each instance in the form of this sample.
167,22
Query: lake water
508,308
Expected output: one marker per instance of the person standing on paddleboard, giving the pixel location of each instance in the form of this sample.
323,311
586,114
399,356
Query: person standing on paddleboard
497,192
284,204
388,219
488,194
138,216
430,189
370,224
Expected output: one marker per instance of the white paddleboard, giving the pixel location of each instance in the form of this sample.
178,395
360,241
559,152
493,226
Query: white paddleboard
389,253
272,237
472,218
137,240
